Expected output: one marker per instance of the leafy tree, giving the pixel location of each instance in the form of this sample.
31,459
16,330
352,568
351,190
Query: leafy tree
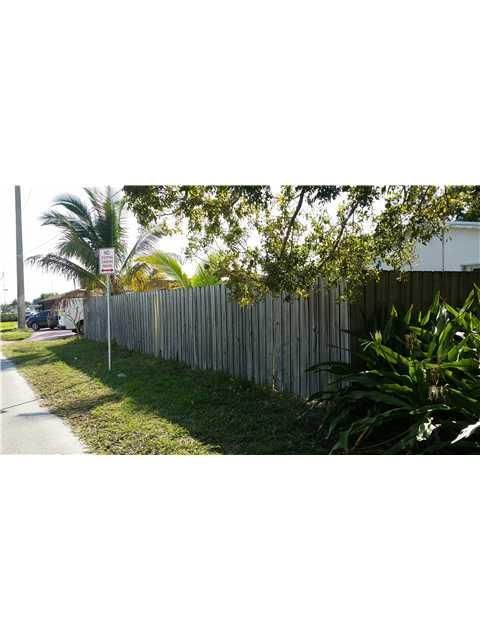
466,200
9,305
169,267
44,296
12,306
283,242
86,227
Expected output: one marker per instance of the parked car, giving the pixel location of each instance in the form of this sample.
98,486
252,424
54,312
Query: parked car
42,319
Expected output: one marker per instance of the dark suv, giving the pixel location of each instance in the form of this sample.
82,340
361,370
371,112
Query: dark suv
42,319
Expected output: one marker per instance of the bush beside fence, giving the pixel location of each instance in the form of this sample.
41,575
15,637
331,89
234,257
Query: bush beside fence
413,288
8,316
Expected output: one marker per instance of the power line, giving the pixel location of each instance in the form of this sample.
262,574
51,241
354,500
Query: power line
25,200
41,244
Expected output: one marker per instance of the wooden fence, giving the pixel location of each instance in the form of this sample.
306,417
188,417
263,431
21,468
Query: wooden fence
272,342
416,288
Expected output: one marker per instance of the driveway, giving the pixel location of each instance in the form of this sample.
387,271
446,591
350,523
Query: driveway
25,425
51,334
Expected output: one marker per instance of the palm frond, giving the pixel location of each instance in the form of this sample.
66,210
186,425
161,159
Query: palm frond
96,199
109,220
74,205
86,227
167,266
75,241
203,277
79,214
144,244
140,277
71,270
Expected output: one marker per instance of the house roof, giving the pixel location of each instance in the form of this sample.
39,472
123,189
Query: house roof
76,293
464,224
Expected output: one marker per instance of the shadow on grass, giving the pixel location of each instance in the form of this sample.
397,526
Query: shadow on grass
86,404
224,414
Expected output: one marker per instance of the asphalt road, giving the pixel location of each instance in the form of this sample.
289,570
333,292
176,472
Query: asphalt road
25,425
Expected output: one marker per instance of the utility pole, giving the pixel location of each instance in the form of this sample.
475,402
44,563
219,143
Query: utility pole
20,280
4,288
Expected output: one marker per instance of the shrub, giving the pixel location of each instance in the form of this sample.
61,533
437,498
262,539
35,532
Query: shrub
9,316
417,389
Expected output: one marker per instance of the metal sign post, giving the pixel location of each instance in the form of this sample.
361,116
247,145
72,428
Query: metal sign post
108,326
107,266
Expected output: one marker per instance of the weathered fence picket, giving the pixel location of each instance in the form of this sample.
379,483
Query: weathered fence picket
415,288
272,342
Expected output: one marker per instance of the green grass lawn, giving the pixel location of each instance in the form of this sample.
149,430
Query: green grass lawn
9,331
159,407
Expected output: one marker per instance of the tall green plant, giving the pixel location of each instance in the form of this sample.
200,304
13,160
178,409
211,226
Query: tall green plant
85,227
169,267
417,389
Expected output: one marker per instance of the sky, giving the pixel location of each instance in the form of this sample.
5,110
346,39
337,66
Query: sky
41,239
38,239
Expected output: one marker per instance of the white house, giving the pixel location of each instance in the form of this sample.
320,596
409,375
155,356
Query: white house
457,250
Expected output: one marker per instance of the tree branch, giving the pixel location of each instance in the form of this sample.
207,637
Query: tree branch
292,221
341,232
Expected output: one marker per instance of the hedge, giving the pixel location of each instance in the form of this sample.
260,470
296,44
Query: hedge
8,317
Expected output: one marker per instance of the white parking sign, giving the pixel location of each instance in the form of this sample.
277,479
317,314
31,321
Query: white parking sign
107,261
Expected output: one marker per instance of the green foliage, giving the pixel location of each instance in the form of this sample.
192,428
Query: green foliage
86,227
169,267
417,389
466,202
44,296
207,209
8,316
282,242
204,276
10,307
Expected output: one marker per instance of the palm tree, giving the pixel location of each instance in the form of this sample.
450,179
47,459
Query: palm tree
169,267
87,227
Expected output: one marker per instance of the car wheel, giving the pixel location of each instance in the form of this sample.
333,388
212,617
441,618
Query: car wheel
35,326
80,327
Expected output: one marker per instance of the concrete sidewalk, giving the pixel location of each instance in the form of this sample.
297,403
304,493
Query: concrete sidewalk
26,426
